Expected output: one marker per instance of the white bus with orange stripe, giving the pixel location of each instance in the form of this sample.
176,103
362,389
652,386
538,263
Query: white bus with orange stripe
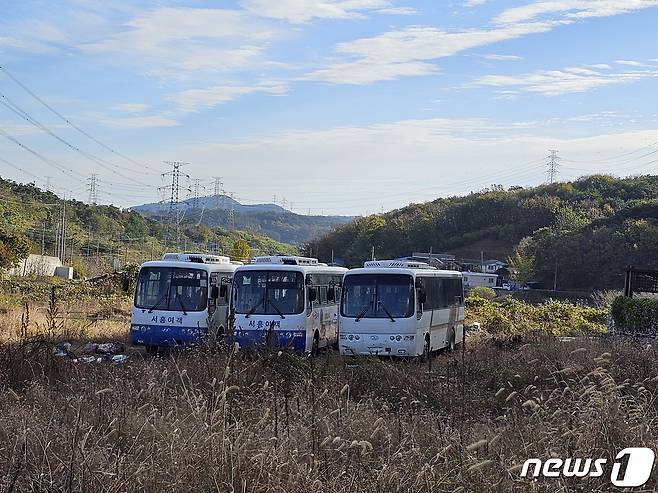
400,308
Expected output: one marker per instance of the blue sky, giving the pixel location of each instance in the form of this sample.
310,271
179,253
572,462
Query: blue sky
338,106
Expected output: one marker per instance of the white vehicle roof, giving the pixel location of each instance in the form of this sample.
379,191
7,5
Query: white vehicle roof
410,267
200,261
305,265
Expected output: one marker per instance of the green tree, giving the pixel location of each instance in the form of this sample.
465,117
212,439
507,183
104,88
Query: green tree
240,250
13,249
522,263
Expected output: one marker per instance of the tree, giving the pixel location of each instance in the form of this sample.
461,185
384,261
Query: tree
522,263
13,249
240,250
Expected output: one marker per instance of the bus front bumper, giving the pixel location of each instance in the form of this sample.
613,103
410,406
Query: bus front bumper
377,345
283,339
159,335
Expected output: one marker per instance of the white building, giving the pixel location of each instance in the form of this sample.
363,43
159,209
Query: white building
36,265
492,266
479,279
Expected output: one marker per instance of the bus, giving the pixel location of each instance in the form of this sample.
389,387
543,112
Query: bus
400,308
181,300
286,302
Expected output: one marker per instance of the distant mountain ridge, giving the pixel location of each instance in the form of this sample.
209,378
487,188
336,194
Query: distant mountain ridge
268,219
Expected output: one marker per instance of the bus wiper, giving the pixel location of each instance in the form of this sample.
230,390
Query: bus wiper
363,312
381,303
253,308
276,307
157,304
180,300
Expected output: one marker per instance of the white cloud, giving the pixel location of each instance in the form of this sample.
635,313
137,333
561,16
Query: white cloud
474,3
167,40
131,107
406,52
376,158
154,121
503,57
631,63
301,11
572,9
195,99
568,80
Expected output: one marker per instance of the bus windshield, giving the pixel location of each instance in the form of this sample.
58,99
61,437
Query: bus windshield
378,296
172,289
260,292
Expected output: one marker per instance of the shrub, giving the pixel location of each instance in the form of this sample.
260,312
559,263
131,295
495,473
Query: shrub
511,317
482,292
635,315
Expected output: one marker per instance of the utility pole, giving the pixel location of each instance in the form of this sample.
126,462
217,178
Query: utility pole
553,165
92,188
231,213
43,239
48,183
174,216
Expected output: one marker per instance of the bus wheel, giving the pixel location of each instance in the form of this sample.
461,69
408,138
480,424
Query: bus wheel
452,344
315,349
427,350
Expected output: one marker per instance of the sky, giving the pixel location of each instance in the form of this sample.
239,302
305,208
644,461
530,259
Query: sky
333,106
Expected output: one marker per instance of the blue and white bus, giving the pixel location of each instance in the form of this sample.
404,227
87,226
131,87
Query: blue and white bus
400,308
286,302
181,300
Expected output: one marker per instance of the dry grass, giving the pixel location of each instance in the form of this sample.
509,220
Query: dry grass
218,421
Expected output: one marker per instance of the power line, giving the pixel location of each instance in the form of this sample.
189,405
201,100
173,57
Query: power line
67,171
74,126
5,101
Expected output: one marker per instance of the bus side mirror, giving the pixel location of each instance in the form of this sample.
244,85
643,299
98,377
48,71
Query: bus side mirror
223,289
331,294
422,297
214,292
312,294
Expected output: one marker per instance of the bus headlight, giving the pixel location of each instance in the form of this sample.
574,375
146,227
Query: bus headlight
398,338
357,337
392,338
350,337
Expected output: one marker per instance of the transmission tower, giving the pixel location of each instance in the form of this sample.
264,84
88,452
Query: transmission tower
219,190
92,188
553,165
174,215
48,178
195,193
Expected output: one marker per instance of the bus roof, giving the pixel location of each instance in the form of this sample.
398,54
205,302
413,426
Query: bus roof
208,267
306,269
405,270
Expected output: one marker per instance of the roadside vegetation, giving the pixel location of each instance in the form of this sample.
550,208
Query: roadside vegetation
216,421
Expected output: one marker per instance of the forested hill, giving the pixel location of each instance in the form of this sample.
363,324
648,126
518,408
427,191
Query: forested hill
589,229
96,234
266,219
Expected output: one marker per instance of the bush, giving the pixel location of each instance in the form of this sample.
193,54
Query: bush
482,292
635,315
511,317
